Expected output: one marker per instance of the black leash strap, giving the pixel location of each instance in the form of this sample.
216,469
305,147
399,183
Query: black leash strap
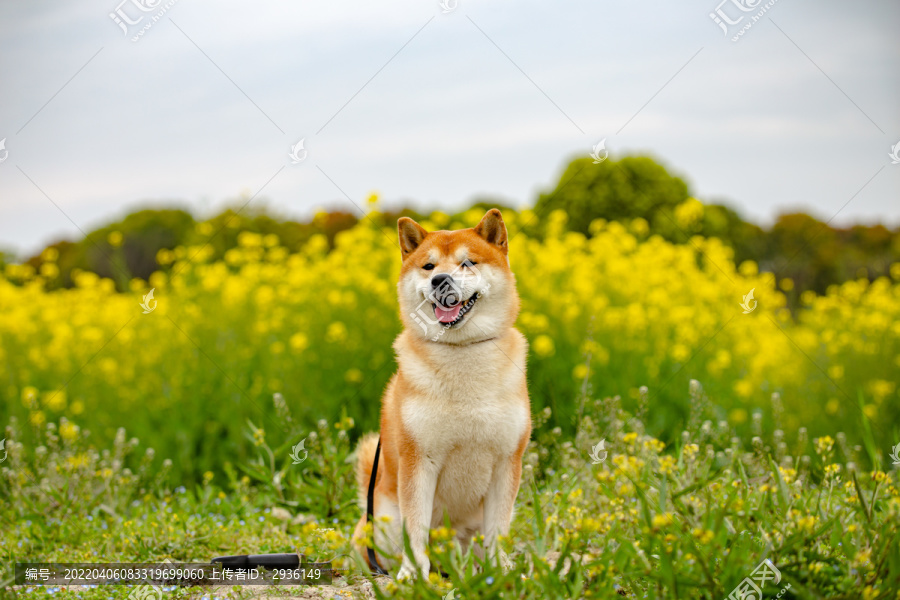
370,513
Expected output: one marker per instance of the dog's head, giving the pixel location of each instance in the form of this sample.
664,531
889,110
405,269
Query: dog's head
456,286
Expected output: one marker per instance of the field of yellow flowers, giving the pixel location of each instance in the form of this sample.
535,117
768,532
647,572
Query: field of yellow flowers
144,428
624,309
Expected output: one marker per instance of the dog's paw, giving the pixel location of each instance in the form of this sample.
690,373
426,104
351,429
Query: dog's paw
409,570
406,573
505,561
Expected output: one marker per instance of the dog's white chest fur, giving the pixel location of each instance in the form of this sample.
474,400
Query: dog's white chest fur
466,417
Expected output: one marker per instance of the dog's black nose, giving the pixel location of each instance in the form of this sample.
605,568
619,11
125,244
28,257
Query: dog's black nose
445,291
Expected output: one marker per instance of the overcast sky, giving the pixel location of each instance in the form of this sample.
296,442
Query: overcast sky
433,108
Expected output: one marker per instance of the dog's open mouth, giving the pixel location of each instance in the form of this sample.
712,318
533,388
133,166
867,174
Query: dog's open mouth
451,316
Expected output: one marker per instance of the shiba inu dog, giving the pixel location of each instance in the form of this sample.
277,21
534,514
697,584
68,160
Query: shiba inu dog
455,418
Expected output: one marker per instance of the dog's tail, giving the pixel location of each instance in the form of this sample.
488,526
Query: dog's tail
365,457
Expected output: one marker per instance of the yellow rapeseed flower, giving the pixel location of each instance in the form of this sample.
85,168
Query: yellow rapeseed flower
543,346
666,464
662,520
68,431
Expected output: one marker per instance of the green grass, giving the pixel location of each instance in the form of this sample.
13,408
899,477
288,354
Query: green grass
687,521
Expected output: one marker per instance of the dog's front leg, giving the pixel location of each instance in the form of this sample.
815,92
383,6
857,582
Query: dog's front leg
417,483
498,504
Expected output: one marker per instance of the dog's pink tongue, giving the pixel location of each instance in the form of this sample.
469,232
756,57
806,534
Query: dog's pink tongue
447,315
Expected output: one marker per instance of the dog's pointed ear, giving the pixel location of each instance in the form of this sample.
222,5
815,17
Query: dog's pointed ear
493,229
411,235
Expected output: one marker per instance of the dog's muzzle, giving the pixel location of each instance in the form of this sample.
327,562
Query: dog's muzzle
444,291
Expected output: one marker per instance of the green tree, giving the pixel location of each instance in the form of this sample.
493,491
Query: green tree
123,249
620,190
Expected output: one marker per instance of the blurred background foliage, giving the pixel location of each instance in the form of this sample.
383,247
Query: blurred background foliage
810,253
626,281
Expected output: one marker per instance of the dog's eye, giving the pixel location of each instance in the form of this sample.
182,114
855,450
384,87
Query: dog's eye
468,263
428,267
